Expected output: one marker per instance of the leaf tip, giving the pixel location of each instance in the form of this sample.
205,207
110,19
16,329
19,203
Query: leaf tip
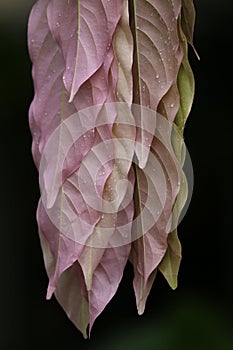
172,281
71,98
141,307
50,292
196,53
173,284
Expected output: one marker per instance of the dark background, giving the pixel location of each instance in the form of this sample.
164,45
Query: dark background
198,314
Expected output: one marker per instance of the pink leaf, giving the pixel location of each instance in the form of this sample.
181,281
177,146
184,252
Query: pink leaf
148,251
103,268
83,30
48,112
106,279
70,291
65,250
158,56
111,186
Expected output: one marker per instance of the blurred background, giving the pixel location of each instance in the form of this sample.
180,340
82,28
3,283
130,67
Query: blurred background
199,313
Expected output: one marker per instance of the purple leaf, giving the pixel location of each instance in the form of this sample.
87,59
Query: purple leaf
103,268
65,251
106,279
110,171
108,264
49,109
83,30
70,291
158,56
148,251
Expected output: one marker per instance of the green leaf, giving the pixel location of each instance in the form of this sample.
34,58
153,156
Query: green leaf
186,87
170,264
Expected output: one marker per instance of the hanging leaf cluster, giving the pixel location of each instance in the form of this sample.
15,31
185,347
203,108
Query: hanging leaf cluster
88,55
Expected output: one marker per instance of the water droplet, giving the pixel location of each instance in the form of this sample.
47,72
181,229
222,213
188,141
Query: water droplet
172,105
143,88
32,40
102,216
58,24
157,76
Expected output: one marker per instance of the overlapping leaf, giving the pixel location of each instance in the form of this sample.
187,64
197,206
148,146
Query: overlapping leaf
188,21
83,30
171,262
103,268
157,58
148,251
82,54
157,62
50,91
70,291
186,87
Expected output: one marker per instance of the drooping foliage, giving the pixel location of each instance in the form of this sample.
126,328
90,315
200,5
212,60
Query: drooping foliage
111,177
